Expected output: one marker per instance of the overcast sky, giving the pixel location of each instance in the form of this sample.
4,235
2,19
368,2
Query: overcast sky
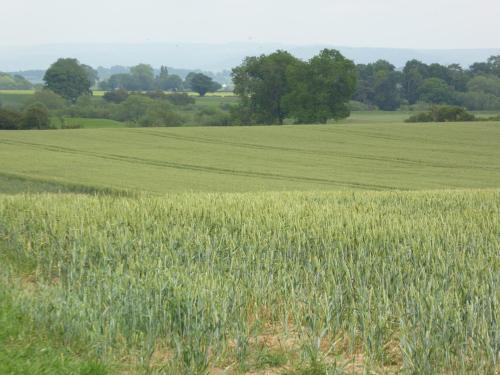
359,23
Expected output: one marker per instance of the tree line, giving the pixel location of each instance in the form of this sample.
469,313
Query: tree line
142,78
273,89
477,88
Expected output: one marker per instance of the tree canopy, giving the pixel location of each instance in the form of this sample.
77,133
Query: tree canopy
378,84
68,78
277,86
320,89
262,82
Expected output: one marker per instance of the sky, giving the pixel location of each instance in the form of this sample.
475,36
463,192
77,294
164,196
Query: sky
357,23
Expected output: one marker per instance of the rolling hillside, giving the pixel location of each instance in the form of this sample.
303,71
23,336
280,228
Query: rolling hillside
354,155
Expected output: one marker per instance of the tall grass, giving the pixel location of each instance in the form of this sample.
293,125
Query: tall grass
324,281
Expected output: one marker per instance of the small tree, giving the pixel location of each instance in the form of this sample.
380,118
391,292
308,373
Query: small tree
201,84
67,78
143,77
36,116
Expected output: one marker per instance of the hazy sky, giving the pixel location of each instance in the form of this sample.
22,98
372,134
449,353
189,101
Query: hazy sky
361,23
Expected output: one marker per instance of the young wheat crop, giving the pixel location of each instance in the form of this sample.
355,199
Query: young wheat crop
393,281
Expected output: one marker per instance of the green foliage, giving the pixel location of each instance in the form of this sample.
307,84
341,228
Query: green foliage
262,83
181,99
167,82
68,78
161,114
15,99
48,98
479,101
116,96
320,89
491,66
16,82
278,86
202,84
35,116
213,117
485,84
92,74
145,111
140,78
436,91
378,85
133,108
118,81
143,77
414,73
443,113
10,119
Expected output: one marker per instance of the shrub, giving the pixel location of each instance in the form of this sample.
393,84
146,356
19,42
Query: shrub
9,119
443,113
48,98
180,99
116,96
213,117
158,94
161,114
132,109
479,101
87,107
36,116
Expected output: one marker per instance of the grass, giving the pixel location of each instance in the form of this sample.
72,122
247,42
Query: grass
359,156
304,283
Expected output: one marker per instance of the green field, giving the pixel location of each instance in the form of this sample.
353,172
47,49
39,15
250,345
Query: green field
364,246
367,155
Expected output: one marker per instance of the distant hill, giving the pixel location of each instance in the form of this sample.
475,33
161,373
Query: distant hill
213,57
